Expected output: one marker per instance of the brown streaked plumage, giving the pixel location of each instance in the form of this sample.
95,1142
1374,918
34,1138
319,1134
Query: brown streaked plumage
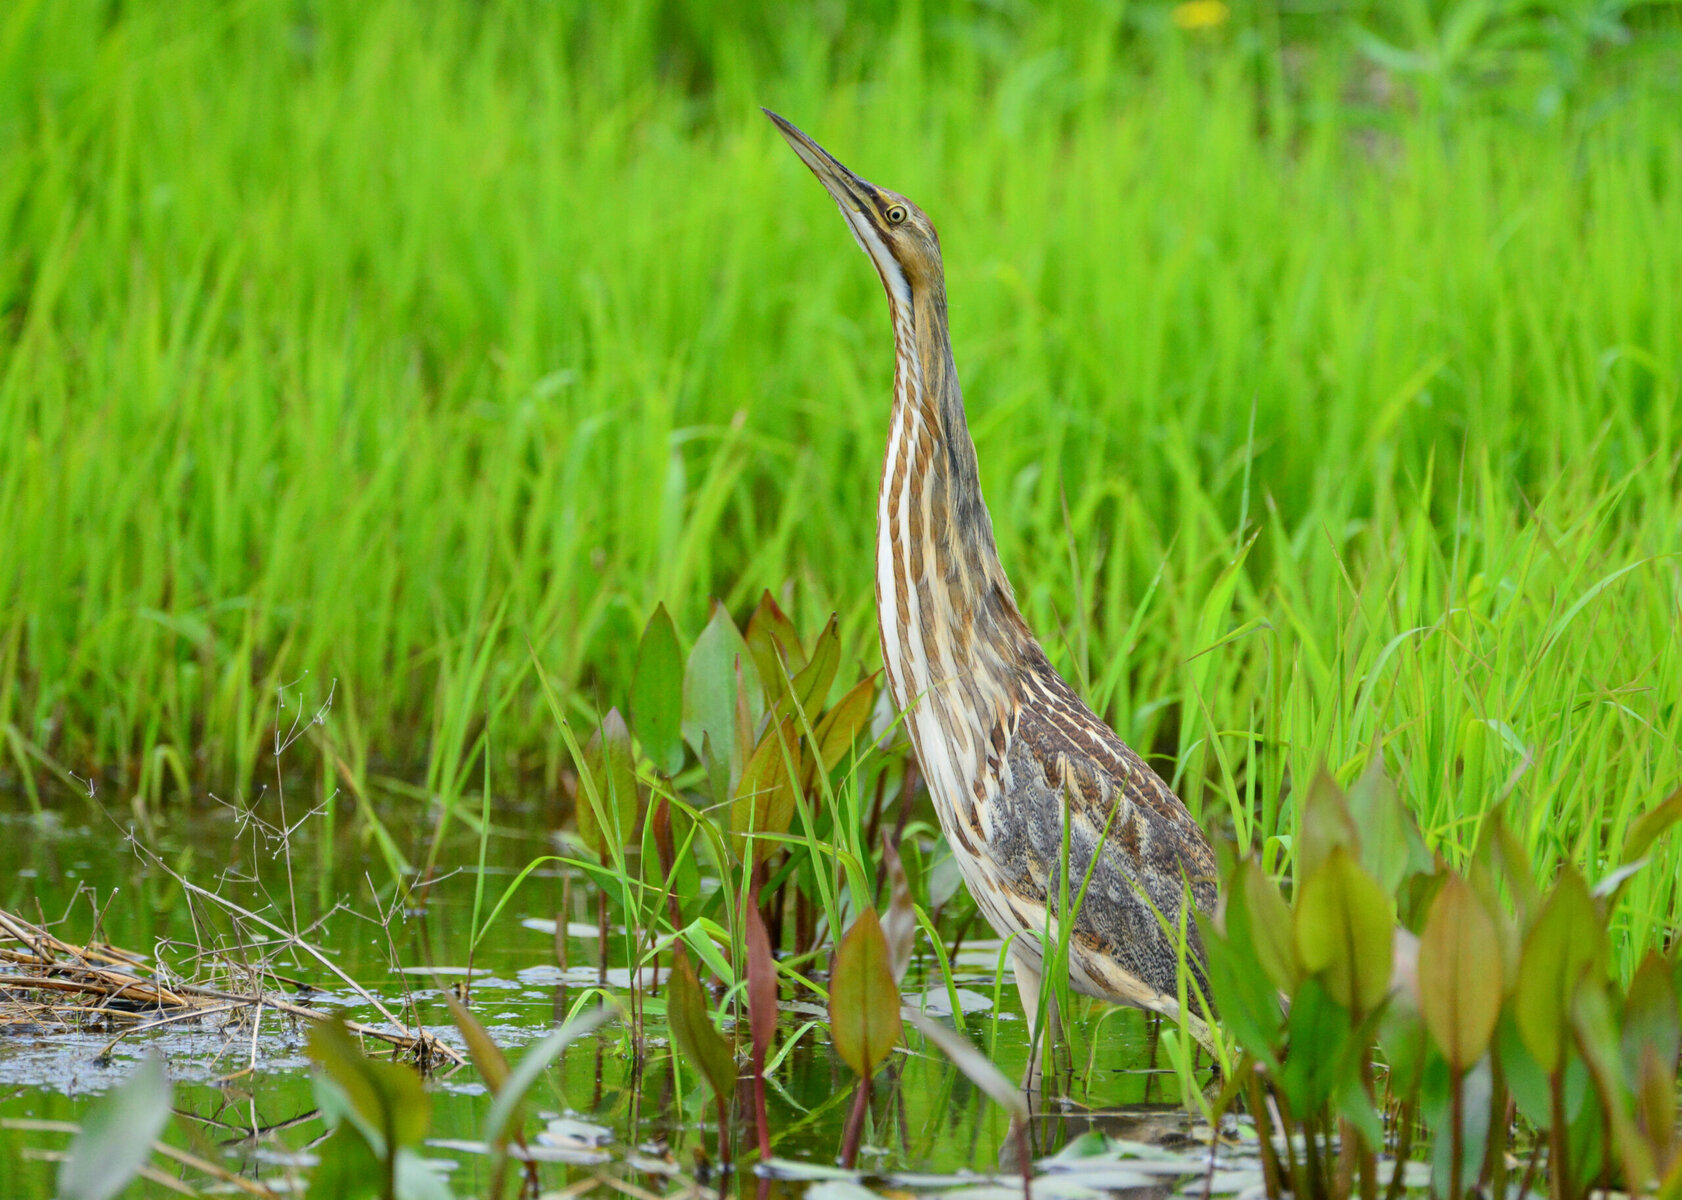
1002,738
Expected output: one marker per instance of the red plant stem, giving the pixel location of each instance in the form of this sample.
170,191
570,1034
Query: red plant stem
601,937
1271,1173
1559,1166
1019,1127
1457,1132
855,1125
760,1118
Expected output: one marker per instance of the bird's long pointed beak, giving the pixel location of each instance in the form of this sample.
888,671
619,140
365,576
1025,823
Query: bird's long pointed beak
847,188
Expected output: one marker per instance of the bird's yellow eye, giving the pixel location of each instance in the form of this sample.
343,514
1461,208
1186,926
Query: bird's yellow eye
896,214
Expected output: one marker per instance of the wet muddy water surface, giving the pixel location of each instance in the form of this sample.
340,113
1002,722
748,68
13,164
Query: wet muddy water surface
611,1106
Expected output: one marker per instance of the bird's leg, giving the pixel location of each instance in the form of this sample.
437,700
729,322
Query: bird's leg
1028,988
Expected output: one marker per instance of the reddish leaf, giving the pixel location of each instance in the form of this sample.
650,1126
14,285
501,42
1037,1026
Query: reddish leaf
840,726
811,685
764,800
776,650
864,1018
1459,969
687,1012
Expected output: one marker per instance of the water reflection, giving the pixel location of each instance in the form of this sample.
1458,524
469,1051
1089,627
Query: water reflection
244,1097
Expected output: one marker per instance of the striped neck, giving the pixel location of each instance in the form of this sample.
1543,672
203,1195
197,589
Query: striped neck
947,612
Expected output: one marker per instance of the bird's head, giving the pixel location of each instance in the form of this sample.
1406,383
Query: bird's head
896,234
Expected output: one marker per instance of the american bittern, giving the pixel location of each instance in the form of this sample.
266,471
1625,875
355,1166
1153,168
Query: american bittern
1005,744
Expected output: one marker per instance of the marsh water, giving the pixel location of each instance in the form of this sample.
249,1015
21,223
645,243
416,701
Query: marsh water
243,1093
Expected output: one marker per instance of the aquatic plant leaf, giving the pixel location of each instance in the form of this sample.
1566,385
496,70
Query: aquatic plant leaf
1525,1079
386,1097
1257,913
531,1066
1460,983
1243,994
1356,1107
1319,1030
1596,1035
776,649
710,691
899,927
864,1017
481,1047
117,1133
974,1064
1651,825
657,693
1382,821
346,1168
1562,946
1406,1045
607,788
1504,856
1651,1042
811,685
842,724
1345,931
700,1043
1326,825
762,983
764,800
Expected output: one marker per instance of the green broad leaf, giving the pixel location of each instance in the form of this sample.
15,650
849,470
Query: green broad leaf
530,1068
1652,825
1507,860
764,800
1527,1082
1257,914
1319,1030
386,1098
1460,985
1243,993
1406,1046
1326,825
710,692
1356,1107
777,653
841,725
1345,931
117,1133
864,1005
1595,1033
607,788
1383,821
657,693
1650,1046
347,1168
717,770
1563,946
701,1045
1651,1017
811,685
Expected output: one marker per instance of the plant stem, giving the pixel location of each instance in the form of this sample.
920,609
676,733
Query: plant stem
855,1125
1457,1133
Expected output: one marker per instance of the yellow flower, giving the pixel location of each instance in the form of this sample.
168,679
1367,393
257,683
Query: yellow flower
1200,14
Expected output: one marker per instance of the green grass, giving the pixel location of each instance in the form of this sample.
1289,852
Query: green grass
354,346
